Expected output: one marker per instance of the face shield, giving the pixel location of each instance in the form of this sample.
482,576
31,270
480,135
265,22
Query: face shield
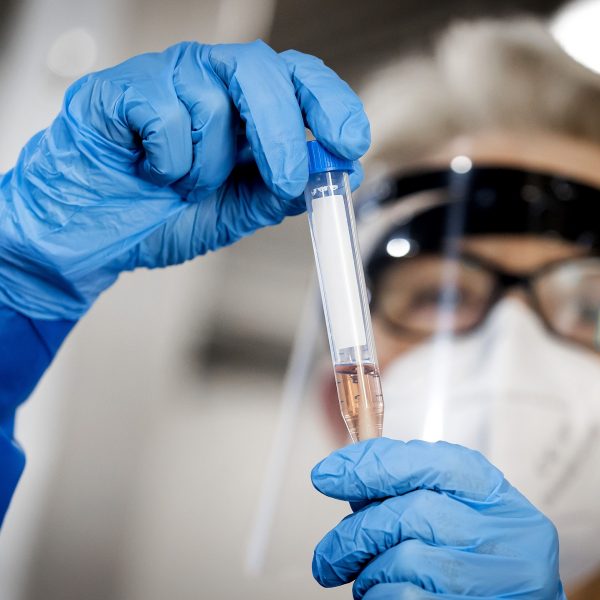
485,297
485,300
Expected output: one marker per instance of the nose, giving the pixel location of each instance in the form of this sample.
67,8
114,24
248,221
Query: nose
520,297
520,294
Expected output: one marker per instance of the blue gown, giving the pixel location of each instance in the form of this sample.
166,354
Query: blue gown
27,347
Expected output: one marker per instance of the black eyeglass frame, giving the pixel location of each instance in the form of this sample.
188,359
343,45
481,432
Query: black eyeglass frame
504,282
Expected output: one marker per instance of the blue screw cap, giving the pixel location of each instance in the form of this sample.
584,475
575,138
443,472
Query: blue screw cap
321,160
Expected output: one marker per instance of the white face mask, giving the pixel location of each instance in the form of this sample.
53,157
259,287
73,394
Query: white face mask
528,401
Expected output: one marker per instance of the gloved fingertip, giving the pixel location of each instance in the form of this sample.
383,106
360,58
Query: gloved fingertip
315,475
151,175
316,573
357,176
287,189
328,476
288,171
356,135
288,181
323,573
296,206
291,55
353,138
158,177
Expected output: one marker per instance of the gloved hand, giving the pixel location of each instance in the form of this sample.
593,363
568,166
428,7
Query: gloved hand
102,189
432,521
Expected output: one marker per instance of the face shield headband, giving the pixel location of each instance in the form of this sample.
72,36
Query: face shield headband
487,200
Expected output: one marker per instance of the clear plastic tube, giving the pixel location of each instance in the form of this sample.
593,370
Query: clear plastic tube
343,292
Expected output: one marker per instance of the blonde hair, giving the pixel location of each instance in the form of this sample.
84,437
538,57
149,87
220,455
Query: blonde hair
481,75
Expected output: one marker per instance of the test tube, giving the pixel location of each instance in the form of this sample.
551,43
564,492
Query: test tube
343,292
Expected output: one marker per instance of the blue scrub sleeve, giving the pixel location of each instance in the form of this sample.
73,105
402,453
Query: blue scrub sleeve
27,347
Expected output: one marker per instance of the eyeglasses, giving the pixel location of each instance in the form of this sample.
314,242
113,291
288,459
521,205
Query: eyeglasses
418,296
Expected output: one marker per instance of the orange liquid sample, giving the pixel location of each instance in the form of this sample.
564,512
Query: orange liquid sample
361,400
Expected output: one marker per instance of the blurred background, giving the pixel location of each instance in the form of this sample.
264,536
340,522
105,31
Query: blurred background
149,439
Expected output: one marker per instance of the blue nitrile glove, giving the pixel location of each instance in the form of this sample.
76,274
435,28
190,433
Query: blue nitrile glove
102,189
27,347
432,521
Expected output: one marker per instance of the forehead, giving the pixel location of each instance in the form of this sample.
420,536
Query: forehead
534,150
521,253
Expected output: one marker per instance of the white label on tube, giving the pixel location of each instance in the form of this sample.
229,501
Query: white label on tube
338,274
